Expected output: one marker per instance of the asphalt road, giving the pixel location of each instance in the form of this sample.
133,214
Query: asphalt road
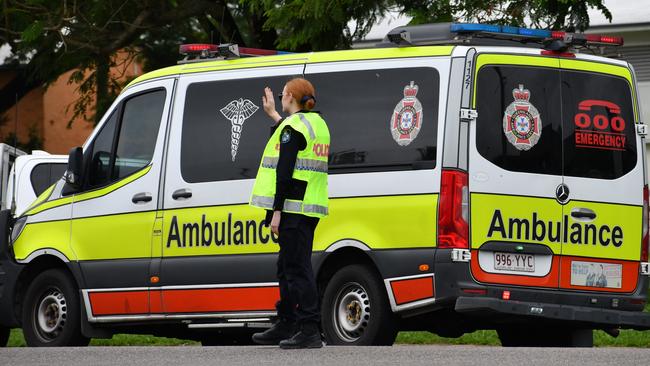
338,356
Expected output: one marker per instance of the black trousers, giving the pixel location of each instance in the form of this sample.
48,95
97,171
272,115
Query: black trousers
299,300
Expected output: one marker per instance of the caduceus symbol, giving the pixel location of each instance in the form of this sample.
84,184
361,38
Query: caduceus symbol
237,112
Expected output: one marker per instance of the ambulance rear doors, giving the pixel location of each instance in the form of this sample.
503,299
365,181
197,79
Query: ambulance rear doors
556,175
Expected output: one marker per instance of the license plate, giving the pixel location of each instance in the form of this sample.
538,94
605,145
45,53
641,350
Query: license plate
514,262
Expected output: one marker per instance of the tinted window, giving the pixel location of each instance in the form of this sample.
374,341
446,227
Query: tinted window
225,128
380,119
138,130
519,118
46,174
599,133
99,170
138,133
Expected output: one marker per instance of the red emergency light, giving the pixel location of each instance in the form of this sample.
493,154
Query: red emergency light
594,39
185,49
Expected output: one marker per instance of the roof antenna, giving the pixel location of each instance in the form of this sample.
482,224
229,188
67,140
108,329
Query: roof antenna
13,190
223,15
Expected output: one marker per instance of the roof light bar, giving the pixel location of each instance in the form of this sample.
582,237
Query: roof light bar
539,34
201,51
186,49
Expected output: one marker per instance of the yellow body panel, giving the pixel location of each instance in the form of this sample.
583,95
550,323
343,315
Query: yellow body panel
608,216
379,222
594,239
52,234
484,216
97,238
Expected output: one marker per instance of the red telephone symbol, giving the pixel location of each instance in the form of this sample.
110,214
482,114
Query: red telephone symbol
600,121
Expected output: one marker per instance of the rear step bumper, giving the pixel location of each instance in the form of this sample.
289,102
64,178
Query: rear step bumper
593,317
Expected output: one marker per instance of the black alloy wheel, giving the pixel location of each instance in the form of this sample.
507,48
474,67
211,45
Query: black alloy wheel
356,310
51,311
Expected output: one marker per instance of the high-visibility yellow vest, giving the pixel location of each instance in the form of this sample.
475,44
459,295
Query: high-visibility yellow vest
311,167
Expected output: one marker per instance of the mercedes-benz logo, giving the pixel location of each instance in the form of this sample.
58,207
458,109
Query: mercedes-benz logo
562,193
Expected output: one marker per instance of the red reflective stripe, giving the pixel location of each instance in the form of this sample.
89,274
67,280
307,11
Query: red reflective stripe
213,300
405,291
221,299
119,302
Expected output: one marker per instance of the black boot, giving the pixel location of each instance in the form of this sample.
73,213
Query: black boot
280,331
308,337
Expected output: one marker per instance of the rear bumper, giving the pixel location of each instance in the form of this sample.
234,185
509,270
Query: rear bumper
579,315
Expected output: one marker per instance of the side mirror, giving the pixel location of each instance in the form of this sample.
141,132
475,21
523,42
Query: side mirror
74,173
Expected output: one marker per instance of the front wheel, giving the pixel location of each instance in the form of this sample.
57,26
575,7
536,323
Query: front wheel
51,311
4,336
356,309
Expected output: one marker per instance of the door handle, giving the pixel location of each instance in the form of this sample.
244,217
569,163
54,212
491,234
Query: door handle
181,194
142,198
583,213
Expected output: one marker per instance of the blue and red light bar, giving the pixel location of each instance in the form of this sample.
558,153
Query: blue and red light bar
541,34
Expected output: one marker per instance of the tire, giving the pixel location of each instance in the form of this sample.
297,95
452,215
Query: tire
51,311
545,337
356,311
4,336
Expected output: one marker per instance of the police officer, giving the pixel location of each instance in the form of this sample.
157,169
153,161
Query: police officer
291,184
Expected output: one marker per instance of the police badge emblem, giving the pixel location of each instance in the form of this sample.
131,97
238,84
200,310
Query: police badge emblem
406,121
521,121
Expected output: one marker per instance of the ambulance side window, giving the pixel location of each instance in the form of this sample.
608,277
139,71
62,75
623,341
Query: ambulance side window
115,158
599,131
138,133
380,120
225,128
99,171
504,91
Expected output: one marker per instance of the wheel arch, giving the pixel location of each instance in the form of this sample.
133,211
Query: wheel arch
341,254
36,264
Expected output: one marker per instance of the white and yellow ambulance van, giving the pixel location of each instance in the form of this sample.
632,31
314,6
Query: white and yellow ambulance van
481,177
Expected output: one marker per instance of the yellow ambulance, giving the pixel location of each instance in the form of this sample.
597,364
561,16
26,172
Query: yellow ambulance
481,177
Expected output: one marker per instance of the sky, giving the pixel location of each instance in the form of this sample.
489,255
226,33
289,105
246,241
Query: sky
623,11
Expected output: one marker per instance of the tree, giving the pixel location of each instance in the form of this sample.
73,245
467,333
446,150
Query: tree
322,24
52,37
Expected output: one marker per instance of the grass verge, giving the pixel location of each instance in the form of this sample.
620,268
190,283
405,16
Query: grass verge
627,338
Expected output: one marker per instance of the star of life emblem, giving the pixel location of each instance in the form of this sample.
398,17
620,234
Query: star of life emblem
406,122
521,121
237,112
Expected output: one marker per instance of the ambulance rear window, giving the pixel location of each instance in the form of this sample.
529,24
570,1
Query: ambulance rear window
599,133
519,123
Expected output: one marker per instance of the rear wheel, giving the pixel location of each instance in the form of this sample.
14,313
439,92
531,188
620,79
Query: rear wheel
356,309
520,336
4,336
51,311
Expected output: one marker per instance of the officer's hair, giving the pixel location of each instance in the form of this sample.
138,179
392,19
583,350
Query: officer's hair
303,92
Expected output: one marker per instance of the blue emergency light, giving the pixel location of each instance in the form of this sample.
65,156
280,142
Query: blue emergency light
503,31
